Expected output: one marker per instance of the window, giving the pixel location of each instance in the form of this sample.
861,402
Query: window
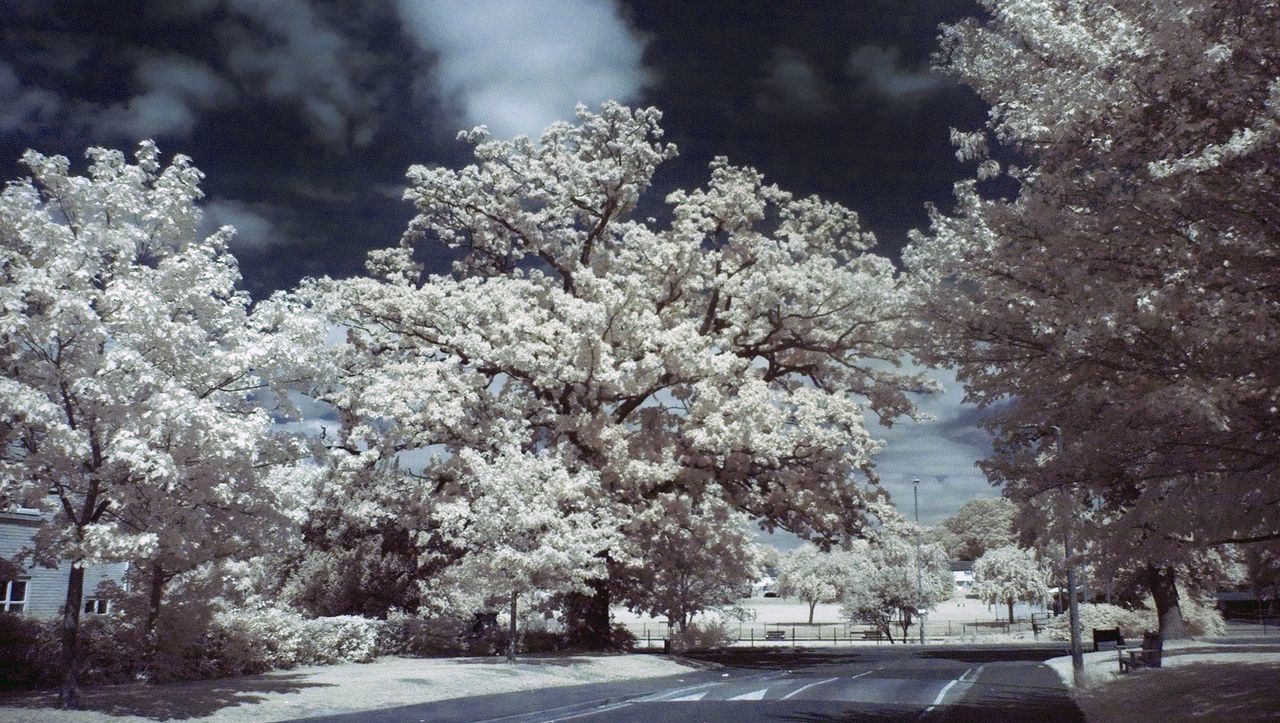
97,606
13,596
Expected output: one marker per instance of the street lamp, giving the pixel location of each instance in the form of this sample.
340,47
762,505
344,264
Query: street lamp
1077,651
919,574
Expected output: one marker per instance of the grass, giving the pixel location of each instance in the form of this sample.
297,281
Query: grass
1196,691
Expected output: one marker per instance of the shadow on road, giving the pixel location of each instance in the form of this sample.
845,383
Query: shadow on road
176,701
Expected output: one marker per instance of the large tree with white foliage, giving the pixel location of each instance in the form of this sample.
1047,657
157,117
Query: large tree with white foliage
891,579
980,525
130,360
1008,575
1125,300
813,575
731,352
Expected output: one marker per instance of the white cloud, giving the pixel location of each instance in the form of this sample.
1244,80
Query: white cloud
518,66
882,69
257,224
175,90
791,85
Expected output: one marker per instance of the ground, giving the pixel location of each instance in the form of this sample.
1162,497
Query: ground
303,692
1198,681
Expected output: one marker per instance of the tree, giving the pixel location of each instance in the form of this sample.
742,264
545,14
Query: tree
129,361
884,586
981,525
734,350
813,576
1008,575
527,526
692,556
1122,303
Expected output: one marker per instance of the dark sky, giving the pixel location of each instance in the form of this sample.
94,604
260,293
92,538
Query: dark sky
305,115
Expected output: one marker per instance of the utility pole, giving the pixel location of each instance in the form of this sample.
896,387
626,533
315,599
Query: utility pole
919,562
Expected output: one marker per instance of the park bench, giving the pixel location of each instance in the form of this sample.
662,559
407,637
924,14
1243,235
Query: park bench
1148,657
871,635
775,635
1107,639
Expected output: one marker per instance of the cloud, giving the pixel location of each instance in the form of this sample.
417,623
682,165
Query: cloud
175,91
258,225
284,51
24,108
792,86
940,452
882,70
518,66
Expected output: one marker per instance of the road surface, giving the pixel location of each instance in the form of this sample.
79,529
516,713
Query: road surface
881,683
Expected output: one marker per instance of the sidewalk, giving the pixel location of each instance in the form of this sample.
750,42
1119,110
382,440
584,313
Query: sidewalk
332,689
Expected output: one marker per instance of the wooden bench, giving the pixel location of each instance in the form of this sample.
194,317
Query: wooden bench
872,635
1148,657
1107,639
775,635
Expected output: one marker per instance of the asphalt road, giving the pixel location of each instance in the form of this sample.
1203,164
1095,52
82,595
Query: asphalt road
900,683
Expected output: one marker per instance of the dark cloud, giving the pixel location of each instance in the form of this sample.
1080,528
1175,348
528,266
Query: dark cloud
792,86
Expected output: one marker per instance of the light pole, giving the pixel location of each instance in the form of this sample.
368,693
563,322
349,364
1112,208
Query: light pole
919,574
1077,651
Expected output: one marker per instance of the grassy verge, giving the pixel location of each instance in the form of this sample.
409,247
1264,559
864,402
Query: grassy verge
1197,691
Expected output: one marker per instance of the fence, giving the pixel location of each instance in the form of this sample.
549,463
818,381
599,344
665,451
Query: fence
835,634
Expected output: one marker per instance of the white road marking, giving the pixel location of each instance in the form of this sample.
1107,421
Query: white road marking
695,696
800,690
753,695
943,693
593,711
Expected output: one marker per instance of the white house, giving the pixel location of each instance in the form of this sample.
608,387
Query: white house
40,591
962,573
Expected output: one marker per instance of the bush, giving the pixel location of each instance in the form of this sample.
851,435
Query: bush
403,634
1199,616
1132,623
702,636
256,640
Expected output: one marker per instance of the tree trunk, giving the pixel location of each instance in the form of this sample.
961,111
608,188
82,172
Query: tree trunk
70,693
812,604
511,631
153,616
1010,601
587,617
906,625
1164,590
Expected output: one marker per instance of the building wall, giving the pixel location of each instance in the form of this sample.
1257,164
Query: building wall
47,588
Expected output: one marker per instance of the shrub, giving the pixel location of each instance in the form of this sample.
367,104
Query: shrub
1132,623
1199,616
403,634
702,636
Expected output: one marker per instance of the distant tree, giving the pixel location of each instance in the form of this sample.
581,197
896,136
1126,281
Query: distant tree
1114,292
813,576
883,588
131,364
1008,575
691,556
980,525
